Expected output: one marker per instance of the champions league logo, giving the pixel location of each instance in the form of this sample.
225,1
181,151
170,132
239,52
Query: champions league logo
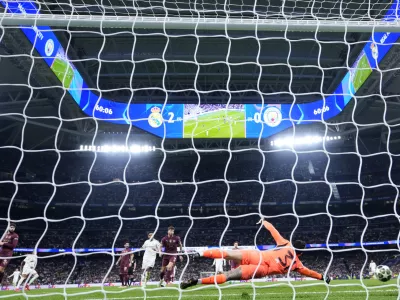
272,116
155,119
374,50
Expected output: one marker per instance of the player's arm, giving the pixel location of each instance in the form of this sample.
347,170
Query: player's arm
311,273
133,261
213,263
12,244
159,249
117,263
144,245
22,265
163,244
279,240
181,247
11,275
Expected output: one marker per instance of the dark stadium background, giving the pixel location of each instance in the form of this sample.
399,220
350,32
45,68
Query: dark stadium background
73,205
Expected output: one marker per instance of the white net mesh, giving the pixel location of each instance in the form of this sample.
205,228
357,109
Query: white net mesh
108,134
333,10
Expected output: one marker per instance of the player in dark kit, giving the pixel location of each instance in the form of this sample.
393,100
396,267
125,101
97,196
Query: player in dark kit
124,261
7,245
233,263
170,243
131,268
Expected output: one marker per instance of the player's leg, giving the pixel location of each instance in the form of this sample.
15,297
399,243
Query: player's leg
130,276
170,269
235,274
146,274
21,280
244,272
34,276
3,266
123,275
239,256
164,264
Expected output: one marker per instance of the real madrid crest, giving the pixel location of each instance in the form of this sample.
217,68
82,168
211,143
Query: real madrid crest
155,118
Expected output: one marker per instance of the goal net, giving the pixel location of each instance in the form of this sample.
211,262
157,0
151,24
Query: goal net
121,118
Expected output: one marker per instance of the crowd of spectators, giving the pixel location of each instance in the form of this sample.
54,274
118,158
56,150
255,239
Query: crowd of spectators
76,201
97,268
191,110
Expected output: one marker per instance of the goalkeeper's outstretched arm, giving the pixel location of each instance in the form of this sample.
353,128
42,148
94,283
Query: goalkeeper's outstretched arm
279,240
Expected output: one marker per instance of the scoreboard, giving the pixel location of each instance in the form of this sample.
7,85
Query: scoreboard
209,120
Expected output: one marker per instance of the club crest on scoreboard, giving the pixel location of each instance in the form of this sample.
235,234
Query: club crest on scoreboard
273,116
49,47
374,50
155,118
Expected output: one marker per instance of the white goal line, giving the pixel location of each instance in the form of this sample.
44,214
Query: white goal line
250,294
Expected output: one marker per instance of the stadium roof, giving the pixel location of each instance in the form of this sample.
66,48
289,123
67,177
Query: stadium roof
294,63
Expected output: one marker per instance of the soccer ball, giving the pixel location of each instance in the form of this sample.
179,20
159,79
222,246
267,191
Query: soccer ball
383,273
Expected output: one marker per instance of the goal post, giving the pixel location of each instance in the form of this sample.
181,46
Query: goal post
201,120
340,20
185,23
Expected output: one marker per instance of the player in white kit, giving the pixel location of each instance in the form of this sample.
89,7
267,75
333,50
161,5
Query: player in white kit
28,270
219,265
15,277
372,268
151,247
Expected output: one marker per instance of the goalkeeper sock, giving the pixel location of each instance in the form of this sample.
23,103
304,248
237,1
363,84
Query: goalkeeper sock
221,278
162,275
215,253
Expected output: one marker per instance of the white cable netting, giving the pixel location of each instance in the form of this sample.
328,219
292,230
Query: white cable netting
331,10
79,184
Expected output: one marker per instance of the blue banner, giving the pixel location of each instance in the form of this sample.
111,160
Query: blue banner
261,247
208,120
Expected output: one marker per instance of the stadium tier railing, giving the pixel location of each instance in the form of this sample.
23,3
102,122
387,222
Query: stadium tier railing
193,249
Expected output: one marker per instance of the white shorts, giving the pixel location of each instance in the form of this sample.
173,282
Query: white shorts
148,263
28,271
219,269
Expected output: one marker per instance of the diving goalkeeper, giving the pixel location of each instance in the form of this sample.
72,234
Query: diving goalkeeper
258,264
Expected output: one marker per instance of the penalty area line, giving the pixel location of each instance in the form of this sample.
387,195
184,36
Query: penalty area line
233,295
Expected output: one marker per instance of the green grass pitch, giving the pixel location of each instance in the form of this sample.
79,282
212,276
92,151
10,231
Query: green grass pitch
213,123
362,72
309,290
60,67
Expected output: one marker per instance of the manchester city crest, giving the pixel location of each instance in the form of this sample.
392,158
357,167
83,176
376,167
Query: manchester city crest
272,116
155,118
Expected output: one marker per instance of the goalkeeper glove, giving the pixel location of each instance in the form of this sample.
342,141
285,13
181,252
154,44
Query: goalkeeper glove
326,279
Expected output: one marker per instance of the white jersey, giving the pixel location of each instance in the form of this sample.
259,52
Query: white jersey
219,263
15,275
152,247
30,261
372,267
